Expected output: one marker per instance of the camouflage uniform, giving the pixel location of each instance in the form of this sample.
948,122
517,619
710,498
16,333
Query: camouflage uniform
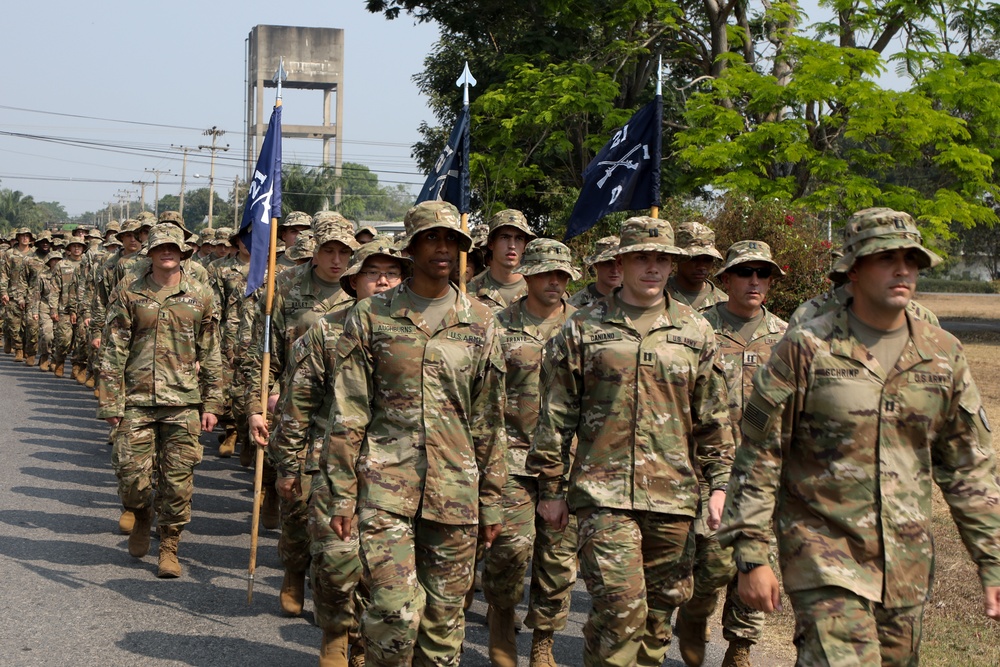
24,290
647,410
149,354
48,305
837,298
526,536
714,568
481,287
16,291
605,251
417,457
295,219
697,239
849,451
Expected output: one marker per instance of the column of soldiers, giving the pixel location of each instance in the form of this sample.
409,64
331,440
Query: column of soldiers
662,433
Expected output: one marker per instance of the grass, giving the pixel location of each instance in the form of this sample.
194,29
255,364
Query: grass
962,307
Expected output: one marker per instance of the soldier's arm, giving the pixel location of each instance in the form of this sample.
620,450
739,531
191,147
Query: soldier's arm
964,466
209,360
278,344
711,426
250,333
299,405
489,439
117,337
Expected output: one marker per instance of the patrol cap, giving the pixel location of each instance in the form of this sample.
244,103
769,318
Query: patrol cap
873,230
509,218
303,248
380,246
334,227
604,250
697,239
166,233
744,252
434,215
646,234
543,255
296,219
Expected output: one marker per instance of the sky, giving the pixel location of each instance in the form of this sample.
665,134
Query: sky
181,65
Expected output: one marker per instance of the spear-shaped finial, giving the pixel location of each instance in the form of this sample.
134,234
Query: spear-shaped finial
464,82
280,76
659,77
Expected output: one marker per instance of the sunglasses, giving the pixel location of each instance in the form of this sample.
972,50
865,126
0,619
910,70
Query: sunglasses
747,271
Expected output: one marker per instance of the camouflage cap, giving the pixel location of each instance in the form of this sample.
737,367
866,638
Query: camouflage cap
744,252
604,250
510,218
207,236
226,236
543,255
480,235
164,234
55,254
296,219
334,227
697,239
303,248
45,235
113,242
371,229
112,226
95,234
331,216
75,240
873,230
194,240
175,218
380,246
434,215
130,226
146,219
646,234
24,230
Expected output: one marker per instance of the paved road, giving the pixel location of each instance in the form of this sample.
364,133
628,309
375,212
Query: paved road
71,594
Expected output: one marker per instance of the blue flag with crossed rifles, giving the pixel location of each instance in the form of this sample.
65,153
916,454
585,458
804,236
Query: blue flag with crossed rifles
449,180
263,203
625,175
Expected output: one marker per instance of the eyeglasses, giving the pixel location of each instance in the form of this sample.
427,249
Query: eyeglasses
373,274
747,271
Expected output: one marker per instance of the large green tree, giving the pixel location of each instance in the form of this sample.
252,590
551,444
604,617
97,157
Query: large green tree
19,210
362,197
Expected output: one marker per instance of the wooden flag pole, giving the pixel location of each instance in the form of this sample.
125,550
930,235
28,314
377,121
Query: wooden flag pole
464,82
463,257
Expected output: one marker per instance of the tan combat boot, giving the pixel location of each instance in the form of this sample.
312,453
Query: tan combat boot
541,649
43,363
270,517
126,522
76,373
228,446
503,644
59,370
691,639
738,653
138,538
293,593
18,355
89,381
29,361
333,650
169,568
357,649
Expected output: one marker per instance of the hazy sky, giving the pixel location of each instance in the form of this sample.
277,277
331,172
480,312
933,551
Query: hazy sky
182,64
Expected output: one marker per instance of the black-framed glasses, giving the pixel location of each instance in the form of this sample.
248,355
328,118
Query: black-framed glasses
374,274
747,271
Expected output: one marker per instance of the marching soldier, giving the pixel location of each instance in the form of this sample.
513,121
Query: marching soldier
690,284
18,327
500,285
289,229
48,308
606,272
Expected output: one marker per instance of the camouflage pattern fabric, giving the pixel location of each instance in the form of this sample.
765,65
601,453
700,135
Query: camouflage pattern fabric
837,298
586,296
824,422
714,296
481,289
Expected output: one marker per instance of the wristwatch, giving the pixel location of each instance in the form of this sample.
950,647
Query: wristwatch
745,567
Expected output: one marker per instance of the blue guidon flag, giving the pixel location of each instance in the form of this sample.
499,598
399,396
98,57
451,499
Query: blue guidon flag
625,175
263,203
449,181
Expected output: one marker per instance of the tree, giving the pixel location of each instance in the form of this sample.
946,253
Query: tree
18,210
362,197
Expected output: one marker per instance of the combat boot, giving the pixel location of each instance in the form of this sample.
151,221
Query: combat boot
138,538
333,650
43,363
293,593
738,653
29,360
126,522
76,373
169,568
357,649
228,446
503,644
691,639
18,355
541,649
89,381
59,370
270,517
247,454
8,347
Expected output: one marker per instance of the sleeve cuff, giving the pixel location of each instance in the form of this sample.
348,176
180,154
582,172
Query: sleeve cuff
551,489
490,515
752,551
989,574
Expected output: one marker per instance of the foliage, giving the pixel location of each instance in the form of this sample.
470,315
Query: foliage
362,197
19,210
958,286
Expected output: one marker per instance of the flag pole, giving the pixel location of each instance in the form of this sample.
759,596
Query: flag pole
464,82
654,211
265,372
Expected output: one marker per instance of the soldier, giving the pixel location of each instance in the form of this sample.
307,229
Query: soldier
690,284
853,417
26,284
606,272
302,250
106,281
206,251
365,234
18,328
746,332
636,379
500,285
160,367
301,297
289,229
525,326
48,308
417,456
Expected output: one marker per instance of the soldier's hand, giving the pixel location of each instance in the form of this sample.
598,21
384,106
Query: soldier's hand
86,322
258,430
55,317
992,594
208,422
272,403
716,503
555,513
34,316
113,420
72,318
489,533
288,488
96,343
342,526
760,589
5,299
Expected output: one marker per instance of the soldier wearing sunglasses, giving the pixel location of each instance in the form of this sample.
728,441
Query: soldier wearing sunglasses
745,332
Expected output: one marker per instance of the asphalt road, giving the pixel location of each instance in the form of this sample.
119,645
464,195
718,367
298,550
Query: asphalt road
71,594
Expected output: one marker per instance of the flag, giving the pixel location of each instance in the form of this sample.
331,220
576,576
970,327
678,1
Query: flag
449,181
625,175
263,202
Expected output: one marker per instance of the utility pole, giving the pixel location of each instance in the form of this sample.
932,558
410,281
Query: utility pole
184,165
236,203
142,189
215,133
156,192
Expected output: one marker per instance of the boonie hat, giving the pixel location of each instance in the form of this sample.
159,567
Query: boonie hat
334,228
164,234
303,248
434,215
603,251
380,246
543,255
874,230
296,219
509,218
744,252
697,239
646,234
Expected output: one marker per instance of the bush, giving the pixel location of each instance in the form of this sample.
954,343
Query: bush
957,286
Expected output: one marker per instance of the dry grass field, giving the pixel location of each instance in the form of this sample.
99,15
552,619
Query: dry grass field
956,631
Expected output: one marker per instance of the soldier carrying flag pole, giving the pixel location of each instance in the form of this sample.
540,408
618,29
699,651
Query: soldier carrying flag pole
260,222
